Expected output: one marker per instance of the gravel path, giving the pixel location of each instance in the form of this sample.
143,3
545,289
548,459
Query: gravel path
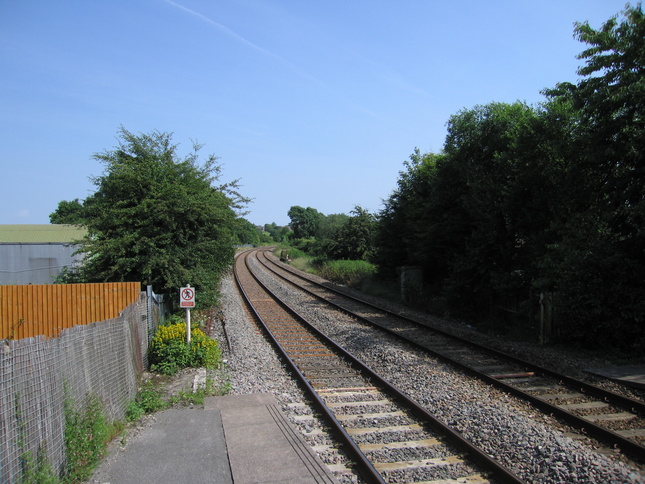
533,445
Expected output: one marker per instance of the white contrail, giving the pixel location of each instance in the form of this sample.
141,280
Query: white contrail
238,37
294,67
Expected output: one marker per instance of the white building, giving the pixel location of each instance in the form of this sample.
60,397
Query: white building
36,254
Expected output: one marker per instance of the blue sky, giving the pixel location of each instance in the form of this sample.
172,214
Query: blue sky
310,103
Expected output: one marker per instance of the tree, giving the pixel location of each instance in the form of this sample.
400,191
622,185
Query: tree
304,221
610,100
601,242
246,233
159,218
354,239
276,233
68,212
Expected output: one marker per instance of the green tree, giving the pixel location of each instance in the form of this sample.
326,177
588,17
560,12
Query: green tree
354,239
601,241
609,99
276,233
304,221
159,218
474,217
246,232
399,220
68,212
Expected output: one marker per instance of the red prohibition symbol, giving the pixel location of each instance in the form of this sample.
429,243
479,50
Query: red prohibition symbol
187,294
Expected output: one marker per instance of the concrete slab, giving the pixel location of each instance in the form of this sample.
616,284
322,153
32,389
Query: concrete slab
237,401
263,446
181,445
241,439
631,375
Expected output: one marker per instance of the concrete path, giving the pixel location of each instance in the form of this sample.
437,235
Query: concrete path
239,439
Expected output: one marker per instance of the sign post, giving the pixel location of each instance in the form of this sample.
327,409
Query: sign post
187,300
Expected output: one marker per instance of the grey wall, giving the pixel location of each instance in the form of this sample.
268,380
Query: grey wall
34,263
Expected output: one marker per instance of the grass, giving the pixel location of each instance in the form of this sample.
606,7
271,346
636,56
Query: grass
357,274
352,273
155,395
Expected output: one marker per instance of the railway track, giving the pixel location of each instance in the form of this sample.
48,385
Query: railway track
375,422
613,419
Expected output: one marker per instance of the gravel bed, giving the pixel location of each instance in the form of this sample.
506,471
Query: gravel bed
530,443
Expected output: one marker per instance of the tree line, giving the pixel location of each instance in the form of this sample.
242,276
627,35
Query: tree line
526,202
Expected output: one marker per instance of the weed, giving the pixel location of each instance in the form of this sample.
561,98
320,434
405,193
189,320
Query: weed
86,434
148,400
134,412
39,471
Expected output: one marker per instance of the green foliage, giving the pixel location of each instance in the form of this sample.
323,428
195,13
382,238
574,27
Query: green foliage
134,411
275,233
611,152
148,400
348,272
246,233
86,435
68,212
160,219
529,199
353,239
304,221
68,276
38,470
304,245
169,352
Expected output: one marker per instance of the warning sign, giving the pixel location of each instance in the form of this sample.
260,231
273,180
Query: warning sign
187,297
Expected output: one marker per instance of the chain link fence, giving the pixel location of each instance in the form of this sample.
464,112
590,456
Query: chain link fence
103,359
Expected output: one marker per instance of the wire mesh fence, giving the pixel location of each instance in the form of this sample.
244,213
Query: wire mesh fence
37,375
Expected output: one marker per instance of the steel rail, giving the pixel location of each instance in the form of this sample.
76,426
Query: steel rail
475,453
586,426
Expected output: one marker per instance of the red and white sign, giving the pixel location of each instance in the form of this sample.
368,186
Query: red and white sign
187,297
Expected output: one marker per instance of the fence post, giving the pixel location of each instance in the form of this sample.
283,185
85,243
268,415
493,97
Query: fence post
546,316
149,296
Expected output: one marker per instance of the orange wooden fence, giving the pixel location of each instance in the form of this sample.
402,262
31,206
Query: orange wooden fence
32,310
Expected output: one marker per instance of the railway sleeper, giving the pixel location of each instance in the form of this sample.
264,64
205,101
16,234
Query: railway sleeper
417,464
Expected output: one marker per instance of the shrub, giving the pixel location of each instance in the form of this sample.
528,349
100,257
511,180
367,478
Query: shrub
349,272
169,352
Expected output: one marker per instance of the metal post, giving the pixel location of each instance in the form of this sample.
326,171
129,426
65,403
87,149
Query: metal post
188,323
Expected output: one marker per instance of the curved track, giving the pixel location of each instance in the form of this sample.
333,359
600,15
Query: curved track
614,419
370,417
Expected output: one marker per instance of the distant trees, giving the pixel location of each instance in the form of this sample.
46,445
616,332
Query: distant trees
353,239
334,236
246,233
525,200
68,212
159,218
276,233
304,221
